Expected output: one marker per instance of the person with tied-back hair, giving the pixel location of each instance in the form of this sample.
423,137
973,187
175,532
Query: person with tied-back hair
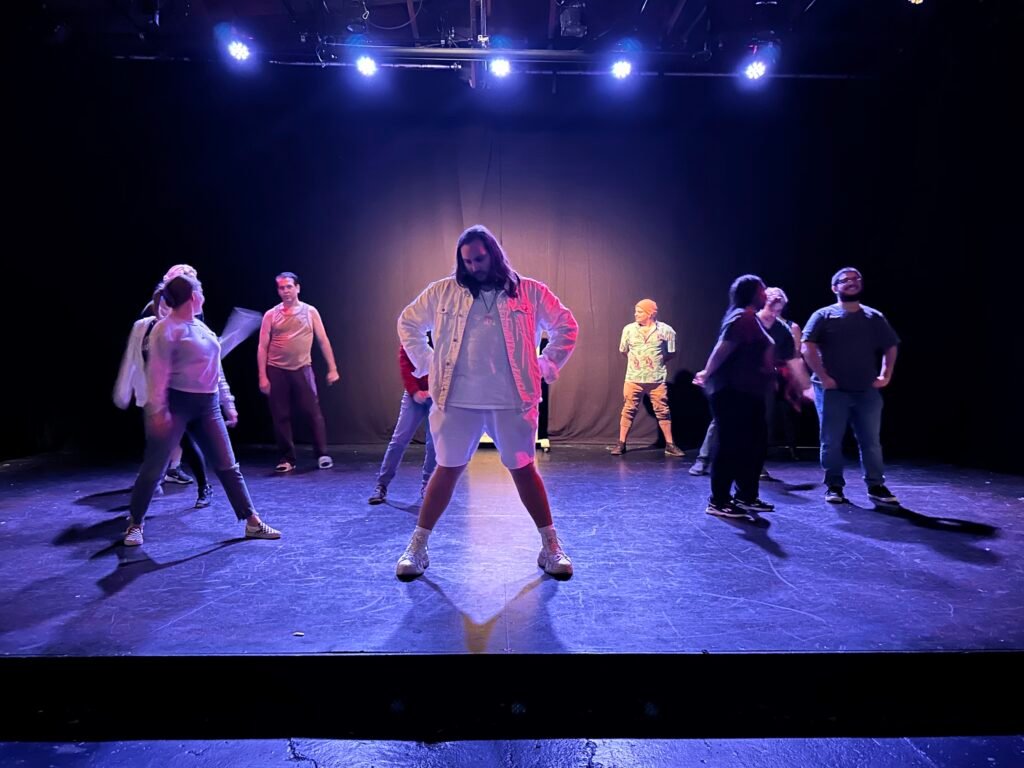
131,383
186,388
485,376
738,377
791,381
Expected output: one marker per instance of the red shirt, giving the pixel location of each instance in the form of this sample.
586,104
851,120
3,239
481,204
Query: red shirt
411,383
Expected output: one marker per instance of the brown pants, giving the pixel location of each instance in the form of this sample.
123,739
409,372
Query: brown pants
633,394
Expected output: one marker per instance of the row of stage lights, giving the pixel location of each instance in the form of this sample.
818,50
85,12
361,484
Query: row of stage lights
756,66
761,60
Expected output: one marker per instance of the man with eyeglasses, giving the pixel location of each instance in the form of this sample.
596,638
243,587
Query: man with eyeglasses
851,349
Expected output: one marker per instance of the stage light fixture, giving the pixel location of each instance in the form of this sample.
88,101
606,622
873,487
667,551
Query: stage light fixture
238,50
500,67
761,60
366,66
622,69
755,70
236,46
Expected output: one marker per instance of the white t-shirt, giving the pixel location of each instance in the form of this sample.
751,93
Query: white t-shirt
483,377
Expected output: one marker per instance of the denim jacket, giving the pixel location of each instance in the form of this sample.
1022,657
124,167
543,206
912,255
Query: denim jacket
442,309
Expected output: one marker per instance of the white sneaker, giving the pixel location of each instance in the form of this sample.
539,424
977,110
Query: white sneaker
413,562
261,531
554,561
325,462
133,536
284,466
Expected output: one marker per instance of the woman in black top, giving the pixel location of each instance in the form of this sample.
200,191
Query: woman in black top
737,377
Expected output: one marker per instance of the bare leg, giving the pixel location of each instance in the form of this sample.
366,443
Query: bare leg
438,495
532,493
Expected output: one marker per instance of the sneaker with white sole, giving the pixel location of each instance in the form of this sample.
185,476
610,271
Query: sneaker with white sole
834,495
413,562
882,495
205,497
284,466
700,467
177,475
261,531
753,506
325,462
727,509
133,536
554,561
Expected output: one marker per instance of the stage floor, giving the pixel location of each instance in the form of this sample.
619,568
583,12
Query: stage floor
653,572
1000,752
811,621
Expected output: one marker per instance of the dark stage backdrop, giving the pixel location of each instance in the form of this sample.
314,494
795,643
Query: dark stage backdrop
666,188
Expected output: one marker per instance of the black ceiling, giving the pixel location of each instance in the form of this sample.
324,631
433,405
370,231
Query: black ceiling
818,37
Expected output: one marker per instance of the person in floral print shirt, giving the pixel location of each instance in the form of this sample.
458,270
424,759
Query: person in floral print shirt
647,344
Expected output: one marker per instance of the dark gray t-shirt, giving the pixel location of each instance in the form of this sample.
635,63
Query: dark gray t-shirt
745,369
781,332
851,343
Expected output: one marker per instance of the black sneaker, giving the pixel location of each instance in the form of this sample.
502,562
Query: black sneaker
834,495
205,497
753,506
724,510
177,475
882,495
671,449
619,449
380,493
700,467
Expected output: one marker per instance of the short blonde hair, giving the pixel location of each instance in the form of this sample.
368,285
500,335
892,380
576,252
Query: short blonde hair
179,270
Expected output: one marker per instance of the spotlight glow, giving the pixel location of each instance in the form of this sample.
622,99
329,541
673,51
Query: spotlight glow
622,69
755,70
501,67
366,66
239,51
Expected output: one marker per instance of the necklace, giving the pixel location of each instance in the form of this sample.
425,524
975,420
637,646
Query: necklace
483,298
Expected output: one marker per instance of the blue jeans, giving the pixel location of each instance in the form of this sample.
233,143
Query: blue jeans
710,443
411,415
201,414
863,410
